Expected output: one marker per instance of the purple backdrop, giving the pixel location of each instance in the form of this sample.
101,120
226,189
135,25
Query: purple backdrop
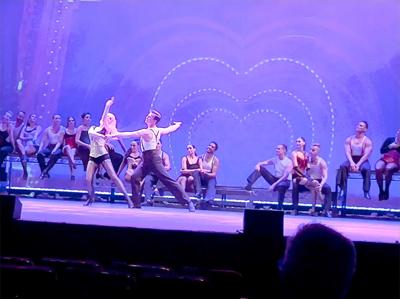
247,74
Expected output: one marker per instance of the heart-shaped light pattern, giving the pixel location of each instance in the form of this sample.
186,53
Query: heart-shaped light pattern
205,113
251,69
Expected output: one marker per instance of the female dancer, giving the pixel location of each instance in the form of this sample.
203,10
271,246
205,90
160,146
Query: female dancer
99,155
82,139
70,145
6,138
190,164
27,141
132,159
388,164
300,161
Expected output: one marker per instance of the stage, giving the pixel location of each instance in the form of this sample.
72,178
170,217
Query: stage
173,218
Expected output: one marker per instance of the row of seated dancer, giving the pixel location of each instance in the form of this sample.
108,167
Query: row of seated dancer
307,171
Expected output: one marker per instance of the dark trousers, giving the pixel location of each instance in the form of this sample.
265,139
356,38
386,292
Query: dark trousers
152,163
197,182
83,153
202,179
5,150
46,152
149,182
325,190
343,174
281,188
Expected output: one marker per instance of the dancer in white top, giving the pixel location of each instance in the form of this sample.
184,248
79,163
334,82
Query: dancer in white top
207,176
99,154
50,146
315,181
357,148
152,162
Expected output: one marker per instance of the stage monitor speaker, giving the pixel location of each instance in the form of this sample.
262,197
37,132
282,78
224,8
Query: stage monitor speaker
10,208
263,223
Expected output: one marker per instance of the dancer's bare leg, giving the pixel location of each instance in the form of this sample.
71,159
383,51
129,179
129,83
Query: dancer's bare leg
110,170
70,153
90,171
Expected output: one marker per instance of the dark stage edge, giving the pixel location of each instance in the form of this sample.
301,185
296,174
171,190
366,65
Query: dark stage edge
171,218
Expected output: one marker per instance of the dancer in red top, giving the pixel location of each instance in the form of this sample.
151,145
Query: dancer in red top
70,145
300,161
388,164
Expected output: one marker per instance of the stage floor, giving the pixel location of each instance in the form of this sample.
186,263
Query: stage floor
116,214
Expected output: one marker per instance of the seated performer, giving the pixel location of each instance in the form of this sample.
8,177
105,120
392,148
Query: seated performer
190,163
82,139
99,155
388,164
299,159
208,176
152,162
280,180
315,181
50,146
131,159
18,125
27,142
358,148
69,146
6,142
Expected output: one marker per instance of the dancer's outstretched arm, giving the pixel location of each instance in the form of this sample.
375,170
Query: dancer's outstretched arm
106,110
172,128
137,134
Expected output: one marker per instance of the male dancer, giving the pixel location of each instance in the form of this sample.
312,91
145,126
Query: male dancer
50,146
280,180
315,181
357,148
207,176
152,162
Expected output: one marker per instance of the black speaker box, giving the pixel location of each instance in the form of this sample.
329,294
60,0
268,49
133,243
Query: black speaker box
263,223
10,208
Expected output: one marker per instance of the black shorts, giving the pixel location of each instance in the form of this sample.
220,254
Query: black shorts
100,159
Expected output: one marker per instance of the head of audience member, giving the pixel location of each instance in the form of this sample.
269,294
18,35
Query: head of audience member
56,120
281,150
191,150
212,147
32,120
70,122
315,149
301,144
20,117
319,262
86,118
362,127
152,118
6,117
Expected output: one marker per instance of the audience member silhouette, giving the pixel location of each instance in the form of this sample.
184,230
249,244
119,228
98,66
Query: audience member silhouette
319,262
